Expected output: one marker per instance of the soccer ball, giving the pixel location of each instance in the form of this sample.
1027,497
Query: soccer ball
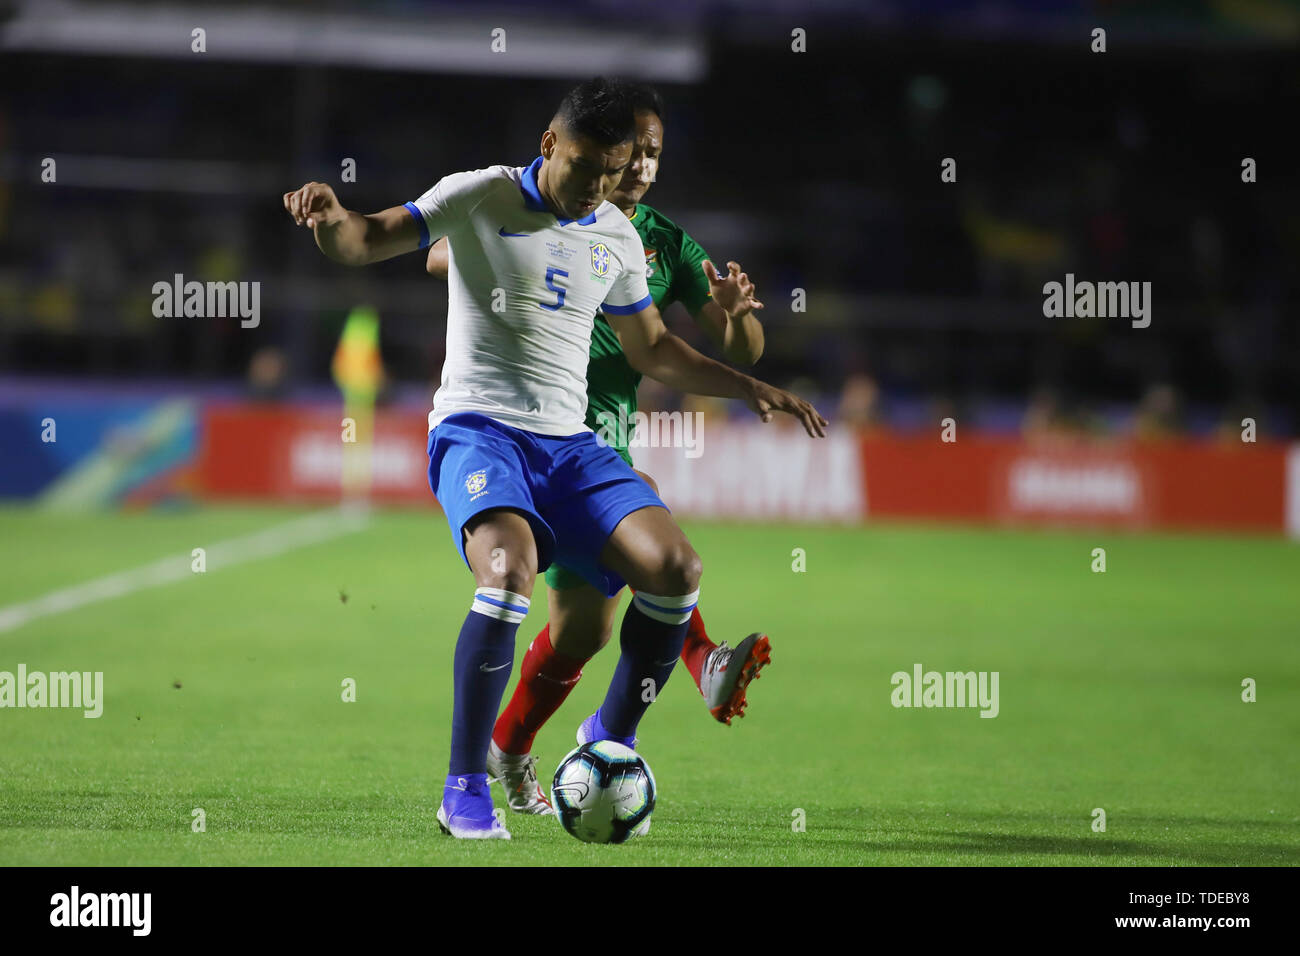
604,793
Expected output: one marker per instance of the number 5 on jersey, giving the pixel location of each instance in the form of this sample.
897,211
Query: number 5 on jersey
551,273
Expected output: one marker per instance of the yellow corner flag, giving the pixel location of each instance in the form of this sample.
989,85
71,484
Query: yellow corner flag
359,373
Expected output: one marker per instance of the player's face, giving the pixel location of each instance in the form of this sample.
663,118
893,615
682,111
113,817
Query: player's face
644,167
581,173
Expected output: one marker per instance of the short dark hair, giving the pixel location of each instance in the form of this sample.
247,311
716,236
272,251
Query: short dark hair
646,98
600,109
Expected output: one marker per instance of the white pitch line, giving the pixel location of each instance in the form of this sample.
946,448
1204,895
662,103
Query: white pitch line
266,543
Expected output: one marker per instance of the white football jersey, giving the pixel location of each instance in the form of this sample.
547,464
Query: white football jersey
524,288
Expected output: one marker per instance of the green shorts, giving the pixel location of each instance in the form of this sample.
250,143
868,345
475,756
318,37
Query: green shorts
558,577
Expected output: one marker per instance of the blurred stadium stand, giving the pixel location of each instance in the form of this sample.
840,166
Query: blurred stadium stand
817,171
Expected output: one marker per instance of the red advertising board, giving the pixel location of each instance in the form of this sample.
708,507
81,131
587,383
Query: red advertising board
1167,484
776,473
295,454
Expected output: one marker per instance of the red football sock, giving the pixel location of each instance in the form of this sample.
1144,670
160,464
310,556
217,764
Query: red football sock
545,679
697,648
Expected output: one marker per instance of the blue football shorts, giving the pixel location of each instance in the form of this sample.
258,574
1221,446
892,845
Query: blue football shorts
573,490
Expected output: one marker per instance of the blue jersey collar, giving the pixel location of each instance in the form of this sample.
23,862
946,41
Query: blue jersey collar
533,197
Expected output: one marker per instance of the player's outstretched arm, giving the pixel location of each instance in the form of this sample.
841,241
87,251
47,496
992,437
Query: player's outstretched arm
349,237
728,318
654,351
439,261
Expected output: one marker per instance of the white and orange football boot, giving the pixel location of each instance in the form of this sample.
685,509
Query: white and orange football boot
518,776
727,672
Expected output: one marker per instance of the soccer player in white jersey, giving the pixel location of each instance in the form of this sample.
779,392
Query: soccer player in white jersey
583,617
534,253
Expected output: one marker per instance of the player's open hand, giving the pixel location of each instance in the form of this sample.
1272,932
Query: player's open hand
314,205
766,399
733,291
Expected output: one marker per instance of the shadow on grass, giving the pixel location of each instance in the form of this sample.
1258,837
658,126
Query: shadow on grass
969,837
864,835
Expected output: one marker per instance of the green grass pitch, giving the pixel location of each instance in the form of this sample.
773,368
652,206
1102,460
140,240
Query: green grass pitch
1119,690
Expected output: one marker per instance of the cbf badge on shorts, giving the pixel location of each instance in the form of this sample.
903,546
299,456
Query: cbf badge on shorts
476,483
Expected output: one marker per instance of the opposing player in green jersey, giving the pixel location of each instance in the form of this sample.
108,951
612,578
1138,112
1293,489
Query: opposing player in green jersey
581,617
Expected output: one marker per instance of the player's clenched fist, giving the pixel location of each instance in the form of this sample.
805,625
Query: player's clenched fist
315,205
765,399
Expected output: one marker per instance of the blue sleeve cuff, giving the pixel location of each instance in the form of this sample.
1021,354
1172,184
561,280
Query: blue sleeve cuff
419,221
627,309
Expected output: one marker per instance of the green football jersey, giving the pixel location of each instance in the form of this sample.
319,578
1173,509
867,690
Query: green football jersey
673,274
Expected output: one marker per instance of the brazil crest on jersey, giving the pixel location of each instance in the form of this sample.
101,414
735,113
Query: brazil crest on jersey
673,274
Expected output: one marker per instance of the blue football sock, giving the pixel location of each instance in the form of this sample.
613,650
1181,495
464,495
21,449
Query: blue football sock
654,629
485,652
600,732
